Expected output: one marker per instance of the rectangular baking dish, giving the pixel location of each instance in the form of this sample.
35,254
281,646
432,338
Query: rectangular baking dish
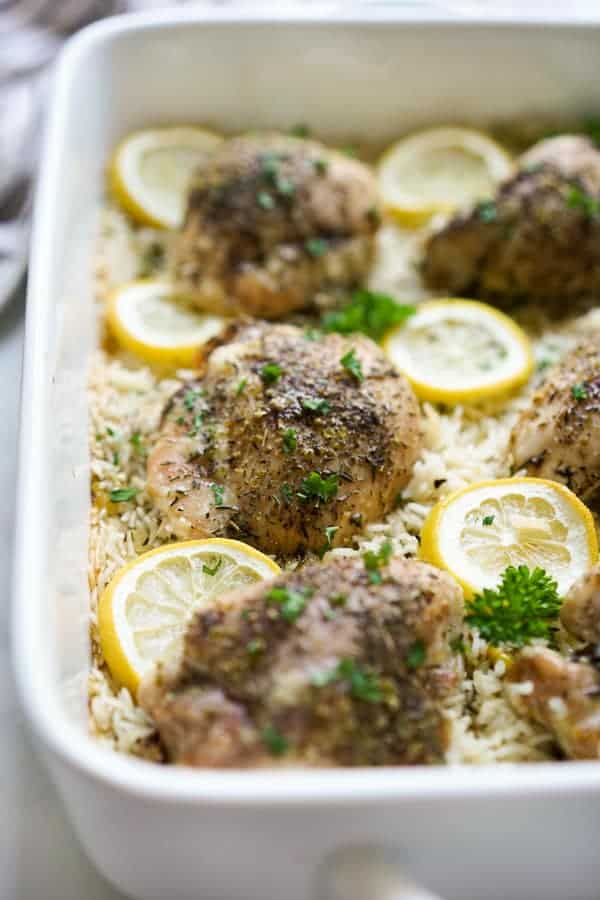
155,832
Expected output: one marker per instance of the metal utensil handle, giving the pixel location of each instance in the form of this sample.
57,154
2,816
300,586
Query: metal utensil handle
368,873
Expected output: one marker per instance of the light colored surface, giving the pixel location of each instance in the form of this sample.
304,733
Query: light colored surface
39,857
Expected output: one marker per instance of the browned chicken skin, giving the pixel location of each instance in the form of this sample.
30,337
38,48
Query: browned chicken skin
538,239
271,221
278,441
563,695
558,435
580,612
320,666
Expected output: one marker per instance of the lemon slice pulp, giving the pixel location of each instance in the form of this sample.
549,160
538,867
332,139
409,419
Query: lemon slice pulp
150,172
439,170
161,328
143,612
477,532
460,351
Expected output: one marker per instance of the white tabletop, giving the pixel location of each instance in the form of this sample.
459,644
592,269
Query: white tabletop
39,856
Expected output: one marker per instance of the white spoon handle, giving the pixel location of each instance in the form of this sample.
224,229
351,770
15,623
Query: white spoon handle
368,873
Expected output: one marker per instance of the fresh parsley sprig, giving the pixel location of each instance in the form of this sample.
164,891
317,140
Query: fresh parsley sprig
367,312
524,606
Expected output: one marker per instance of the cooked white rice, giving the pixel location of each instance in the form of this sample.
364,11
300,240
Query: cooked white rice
461,446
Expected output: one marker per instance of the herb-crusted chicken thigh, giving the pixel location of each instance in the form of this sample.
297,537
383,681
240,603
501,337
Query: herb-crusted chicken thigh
538,239
272,220
580,612
333,664
289,442
557,436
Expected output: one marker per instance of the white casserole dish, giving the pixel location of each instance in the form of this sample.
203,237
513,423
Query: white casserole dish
157,833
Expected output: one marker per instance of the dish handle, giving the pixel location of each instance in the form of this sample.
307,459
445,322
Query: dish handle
367,873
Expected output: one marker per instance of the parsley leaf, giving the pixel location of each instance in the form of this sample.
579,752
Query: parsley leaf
488,520
329,536
416,655
316,247
275,742
136,442
190,397
300,130
255,647
352,364
363,684
523,607
286,492
218,493
368,312
270,373
241,385
290,441
212,570
321,166
122,495
265,200
316,405
578,199
292,603
319,487
373,561
487,211
579,392
196,425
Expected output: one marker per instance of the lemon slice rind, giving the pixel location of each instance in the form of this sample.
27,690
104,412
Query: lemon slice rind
143,612
439,170
150,169
159,327
534,522
451,368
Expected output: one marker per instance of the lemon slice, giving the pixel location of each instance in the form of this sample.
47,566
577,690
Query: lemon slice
439,170
477,532
150,171
162,329
145,609
460,351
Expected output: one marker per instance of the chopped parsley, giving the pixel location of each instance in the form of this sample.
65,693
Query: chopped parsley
111,432
337,599
330,533
122,495
368,312
578,199
374,560
313,334
265,200
196,425
416,655
218,493
321,166
318,487
275,742
329,536
136,442
353,365
255,647
316,246
241,385
523,607
316,405
286,492
363,684
349,150
488,520
115,458
579,392
487,211
180,420
457,645
285,186
292,603
212,570
190,397
290,441
270,373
